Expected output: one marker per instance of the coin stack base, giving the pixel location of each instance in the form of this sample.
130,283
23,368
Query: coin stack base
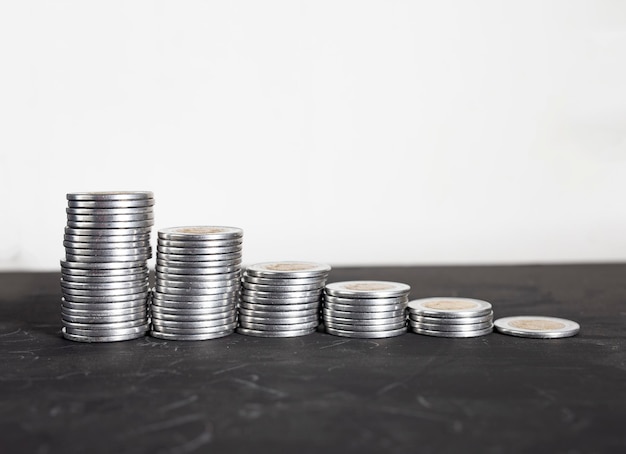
538,327
281,299
365,309
104,277
451,317
197,282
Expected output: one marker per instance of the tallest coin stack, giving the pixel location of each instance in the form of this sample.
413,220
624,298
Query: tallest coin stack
104,277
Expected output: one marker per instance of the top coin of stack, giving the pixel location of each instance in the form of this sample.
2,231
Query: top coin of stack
365,309
281,299
198,279
104,277
451,317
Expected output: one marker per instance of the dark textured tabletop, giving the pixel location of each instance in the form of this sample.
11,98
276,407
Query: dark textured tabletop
320,393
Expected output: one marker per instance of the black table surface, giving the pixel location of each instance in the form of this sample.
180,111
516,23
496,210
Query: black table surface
319,393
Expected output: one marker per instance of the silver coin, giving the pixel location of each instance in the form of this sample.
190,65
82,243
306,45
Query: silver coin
107,332
367,308
273,281
107,233
282,288
104,285
188,317
126,324
363,315
110,195
278,314
200,285
190,337
280,301
367,289
80,338
70,264
130,298
197,271
279,307
366,301
460,334
445,327
236,242
95,276
286,333
109,218
110,241
282,295
205,325
199,233
199,257
99,225
452,321
131,312
93,319
186,291
110,204
449,307
217,298
129,293
108,211
106,246
98,280
227,250
200,278
536,326
267,327
204,265
216,329
373,322
366,334
360,327
97,307
101,259
192,308
288,269
110,253
247,319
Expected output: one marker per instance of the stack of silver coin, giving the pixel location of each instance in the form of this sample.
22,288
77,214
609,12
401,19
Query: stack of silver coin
365,309
198,277
104,277
451,317
281,299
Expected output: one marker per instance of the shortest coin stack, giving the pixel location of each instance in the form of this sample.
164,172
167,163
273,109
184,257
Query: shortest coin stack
281,299
365,309
537,327
197,282
451,317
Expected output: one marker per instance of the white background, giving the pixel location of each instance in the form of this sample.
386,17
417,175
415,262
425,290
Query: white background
347,132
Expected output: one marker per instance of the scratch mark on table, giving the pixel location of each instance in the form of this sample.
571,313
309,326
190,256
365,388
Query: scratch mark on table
336,344
179,403
228,369
252,385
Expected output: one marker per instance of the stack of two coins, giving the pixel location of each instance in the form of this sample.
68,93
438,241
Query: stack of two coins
281,299
198,277
365,309
451,317
104,277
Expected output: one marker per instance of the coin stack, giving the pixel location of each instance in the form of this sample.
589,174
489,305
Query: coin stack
451,317
365,309
281,299
198,277
104,277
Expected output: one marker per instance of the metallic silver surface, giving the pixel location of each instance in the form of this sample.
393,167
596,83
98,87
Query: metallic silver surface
538,327
366,334
367,289
449,307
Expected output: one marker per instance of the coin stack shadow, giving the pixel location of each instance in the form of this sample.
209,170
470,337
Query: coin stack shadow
451,317
104,277
281,299
198,278
365,309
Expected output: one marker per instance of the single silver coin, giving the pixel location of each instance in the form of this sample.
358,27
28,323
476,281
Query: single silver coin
110,204
280,301
126,324
268,327
94,319
366,301
100,259
90,299
130,292
361,327
109,241
110,225
247,319
285,333
208,300
367,308
185,291
200,250
460,334
536,326
452,321
401,320
80,338
192,308
235,242
274,281
449,307
99,212
445,327
110,218
107,234
195,258
112,254
190,337
288,269
106,332
315,306
71,264
281,288
366,334
200,233
197,271
110,195
363,315
104,285
200,278
102,247
125,305
277,314
165,325
367,289
131,312
206,267
193,318
282,295
191,285
95,280
216,329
